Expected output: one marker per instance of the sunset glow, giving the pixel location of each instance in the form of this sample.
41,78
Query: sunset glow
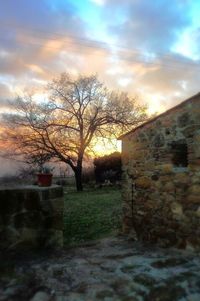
130,45
105,146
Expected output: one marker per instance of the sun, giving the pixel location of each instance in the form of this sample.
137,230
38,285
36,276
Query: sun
104,146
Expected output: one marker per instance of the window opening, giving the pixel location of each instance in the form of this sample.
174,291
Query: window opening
180,154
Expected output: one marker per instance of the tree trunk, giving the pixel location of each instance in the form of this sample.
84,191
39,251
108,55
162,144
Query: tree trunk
78,178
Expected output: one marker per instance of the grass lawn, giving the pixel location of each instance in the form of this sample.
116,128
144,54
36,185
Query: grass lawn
91,214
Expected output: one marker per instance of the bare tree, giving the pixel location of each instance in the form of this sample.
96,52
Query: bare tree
63,127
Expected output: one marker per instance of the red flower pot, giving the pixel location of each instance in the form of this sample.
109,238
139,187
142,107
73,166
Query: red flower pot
44,179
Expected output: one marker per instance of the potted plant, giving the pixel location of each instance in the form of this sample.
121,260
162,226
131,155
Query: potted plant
44,177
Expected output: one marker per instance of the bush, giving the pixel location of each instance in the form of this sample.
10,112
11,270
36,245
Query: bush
88,175
108,168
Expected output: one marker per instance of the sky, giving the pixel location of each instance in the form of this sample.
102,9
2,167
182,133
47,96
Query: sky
148,48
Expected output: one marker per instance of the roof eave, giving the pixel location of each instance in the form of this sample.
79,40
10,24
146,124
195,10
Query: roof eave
158,116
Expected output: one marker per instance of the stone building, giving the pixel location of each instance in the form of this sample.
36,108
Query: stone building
161,177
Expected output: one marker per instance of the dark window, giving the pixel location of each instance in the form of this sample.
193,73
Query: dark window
180,154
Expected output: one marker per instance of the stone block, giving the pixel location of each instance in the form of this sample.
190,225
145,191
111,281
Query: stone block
158,140
10,237
11,201
28,237
166,168
169,198
143,182
194,190
138,154
193,168
182,178
149,205
53,221
177,210
32,200
45,194
30,219
41,296
184,119
195,199
57,204
127,224
189,132
197,150
198,212
53,239
169,187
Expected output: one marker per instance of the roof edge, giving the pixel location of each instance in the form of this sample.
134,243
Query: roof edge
158,116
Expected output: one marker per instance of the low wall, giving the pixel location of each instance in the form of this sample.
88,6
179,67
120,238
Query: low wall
31,216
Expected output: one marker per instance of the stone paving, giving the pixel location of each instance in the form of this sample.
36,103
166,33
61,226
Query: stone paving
112,269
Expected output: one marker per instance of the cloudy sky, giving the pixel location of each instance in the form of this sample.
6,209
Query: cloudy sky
148,48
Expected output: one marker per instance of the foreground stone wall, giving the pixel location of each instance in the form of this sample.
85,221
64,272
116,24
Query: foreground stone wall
31,216
162,200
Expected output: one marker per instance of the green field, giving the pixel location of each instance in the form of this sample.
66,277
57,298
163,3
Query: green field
91,214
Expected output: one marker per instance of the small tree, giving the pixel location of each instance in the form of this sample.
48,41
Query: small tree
63,126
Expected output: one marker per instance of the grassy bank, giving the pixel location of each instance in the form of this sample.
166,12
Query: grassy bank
91,214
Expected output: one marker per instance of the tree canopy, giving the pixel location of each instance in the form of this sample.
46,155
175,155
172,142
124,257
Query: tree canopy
63,126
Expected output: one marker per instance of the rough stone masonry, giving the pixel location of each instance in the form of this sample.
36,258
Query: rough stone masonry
161,177
31,216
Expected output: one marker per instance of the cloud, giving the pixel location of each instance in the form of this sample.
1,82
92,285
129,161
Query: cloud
33,35
98,2
5,95
33,32
37,34
153,25
146,33
42,15
40,39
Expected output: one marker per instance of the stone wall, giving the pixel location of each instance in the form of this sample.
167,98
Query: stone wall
31,216
161,197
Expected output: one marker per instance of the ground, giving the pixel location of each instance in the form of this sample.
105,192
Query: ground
91,214
111,269
91,267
